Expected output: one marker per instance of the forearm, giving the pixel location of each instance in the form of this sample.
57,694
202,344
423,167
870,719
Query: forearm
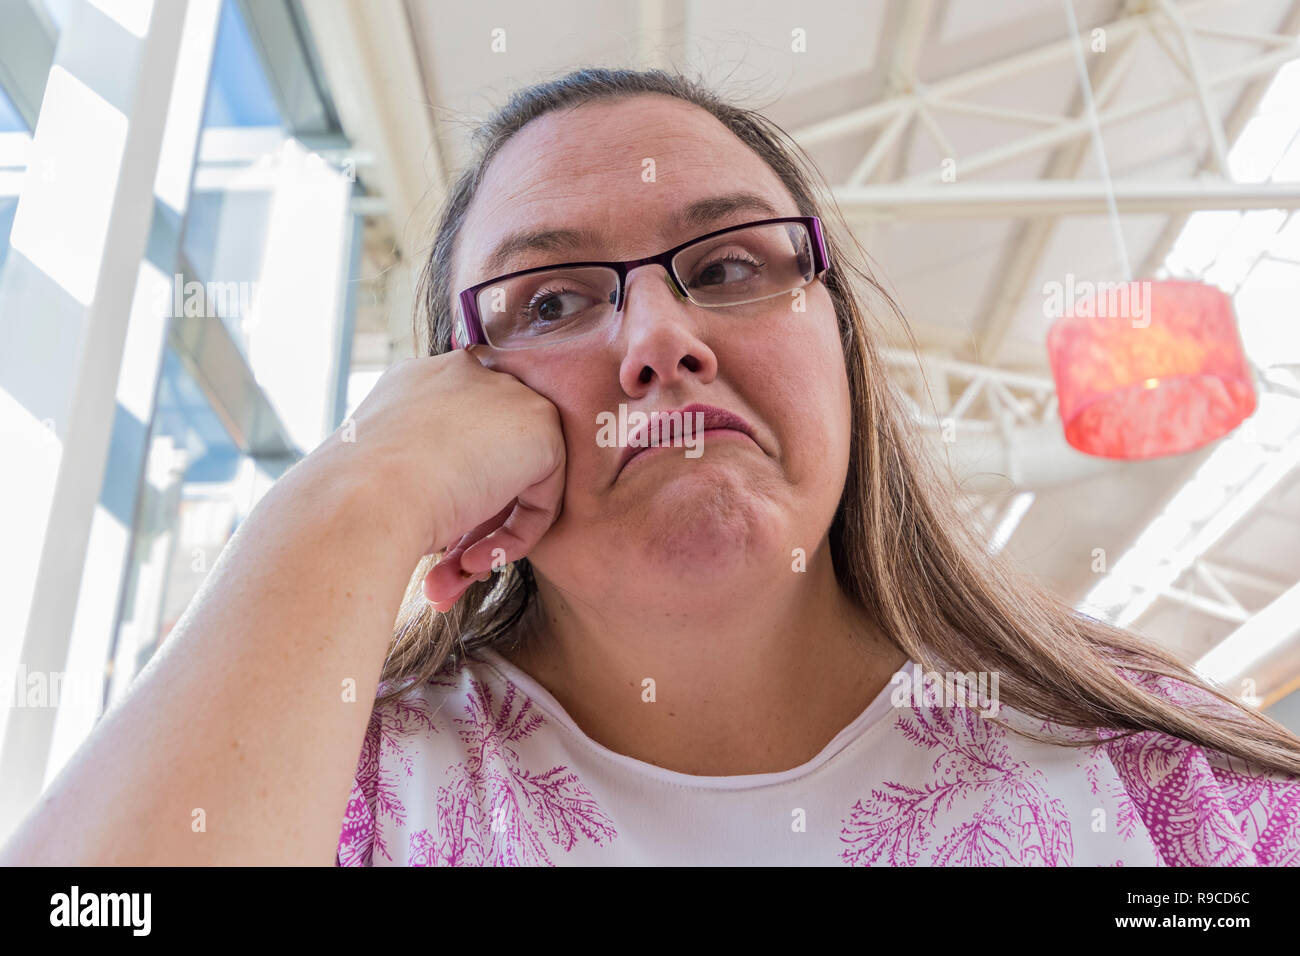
238,742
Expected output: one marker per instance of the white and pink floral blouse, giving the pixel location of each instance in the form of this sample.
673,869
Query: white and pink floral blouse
483,767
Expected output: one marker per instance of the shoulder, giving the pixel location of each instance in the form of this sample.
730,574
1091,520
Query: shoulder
432,707
1160,798
1203,807
466,769
410,740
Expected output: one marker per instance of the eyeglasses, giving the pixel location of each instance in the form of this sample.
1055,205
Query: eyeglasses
553,304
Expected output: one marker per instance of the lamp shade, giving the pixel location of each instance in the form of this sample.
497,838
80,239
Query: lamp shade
1149,368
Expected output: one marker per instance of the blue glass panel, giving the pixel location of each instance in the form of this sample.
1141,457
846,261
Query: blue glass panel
185,415
240,94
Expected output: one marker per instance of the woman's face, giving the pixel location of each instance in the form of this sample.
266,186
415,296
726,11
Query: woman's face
667,519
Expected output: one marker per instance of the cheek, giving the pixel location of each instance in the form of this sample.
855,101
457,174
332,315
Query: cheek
807,396
822,358
796,374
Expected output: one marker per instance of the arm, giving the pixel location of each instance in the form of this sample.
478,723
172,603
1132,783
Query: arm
241,714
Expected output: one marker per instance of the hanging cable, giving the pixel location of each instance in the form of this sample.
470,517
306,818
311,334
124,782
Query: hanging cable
1086,87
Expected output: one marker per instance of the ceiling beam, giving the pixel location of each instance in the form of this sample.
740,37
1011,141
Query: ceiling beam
1008,68
1233,124
993,200
372,64
898,52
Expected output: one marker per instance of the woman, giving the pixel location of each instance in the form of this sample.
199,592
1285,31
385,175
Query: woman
612,653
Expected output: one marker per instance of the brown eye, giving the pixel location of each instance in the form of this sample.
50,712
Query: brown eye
732,268
548,306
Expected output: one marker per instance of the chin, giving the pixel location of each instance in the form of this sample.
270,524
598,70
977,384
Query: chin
705,522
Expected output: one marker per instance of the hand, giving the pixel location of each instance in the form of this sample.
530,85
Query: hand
472,459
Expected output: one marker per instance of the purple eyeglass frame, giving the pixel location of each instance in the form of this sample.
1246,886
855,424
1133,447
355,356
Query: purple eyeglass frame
472,327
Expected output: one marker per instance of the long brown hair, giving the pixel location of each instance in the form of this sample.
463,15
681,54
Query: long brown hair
898,546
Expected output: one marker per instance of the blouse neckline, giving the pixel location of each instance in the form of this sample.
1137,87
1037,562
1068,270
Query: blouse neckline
871,715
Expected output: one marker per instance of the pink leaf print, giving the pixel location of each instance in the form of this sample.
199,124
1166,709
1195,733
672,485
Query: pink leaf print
1126,814
491,812
983,841
374,791
1014,820
897,827
1202,807
1200,814
1267,812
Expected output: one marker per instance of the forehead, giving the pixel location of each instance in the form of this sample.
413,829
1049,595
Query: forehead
620,170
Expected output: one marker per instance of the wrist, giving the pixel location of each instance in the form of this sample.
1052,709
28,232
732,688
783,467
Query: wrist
356,507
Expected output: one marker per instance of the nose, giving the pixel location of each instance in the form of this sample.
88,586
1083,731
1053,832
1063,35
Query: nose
661,333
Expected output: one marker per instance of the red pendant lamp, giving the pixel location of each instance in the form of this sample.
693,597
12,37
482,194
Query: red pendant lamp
1157,369
1165,375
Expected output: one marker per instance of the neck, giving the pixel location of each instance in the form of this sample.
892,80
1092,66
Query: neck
747,676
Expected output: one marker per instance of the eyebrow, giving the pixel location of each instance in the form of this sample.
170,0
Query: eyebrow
696,215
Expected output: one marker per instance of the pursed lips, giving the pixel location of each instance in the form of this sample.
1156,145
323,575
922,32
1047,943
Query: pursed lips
714,418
